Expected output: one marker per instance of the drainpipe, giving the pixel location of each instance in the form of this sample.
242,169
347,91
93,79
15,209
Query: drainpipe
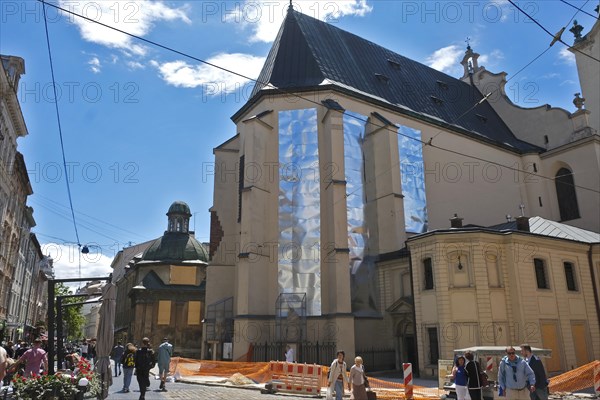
596,300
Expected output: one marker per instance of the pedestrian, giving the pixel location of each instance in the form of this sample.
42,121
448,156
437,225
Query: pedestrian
128,361
459,375
337,376
515,376
289,354
165,352
144,362
33,359
3,364
116,354
21,350
358,380
84,348
10,350
541,379
474,381
92,351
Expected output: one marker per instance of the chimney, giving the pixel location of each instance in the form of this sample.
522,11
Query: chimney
523,224
456,221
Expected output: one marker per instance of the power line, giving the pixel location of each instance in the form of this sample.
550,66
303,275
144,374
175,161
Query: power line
62,144
579,9
310,100
555,37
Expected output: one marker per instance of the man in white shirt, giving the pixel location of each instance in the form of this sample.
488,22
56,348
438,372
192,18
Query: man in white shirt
289,354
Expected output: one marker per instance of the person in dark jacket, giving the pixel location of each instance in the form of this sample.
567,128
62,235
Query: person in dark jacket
541,380
473,383
144,362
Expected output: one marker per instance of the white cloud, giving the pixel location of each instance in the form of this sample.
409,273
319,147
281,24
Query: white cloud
263,18
566,57
567,82
67,262
445,59
133,65
491,59
94,64
216,81
135,17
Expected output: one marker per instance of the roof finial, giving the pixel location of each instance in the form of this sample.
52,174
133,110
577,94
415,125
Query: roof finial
291,5
468,41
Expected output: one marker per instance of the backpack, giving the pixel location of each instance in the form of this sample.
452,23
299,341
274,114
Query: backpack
144,359
128,360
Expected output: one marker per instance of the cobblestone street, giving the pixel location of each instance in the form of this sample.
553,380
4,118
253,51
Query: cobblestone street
189,391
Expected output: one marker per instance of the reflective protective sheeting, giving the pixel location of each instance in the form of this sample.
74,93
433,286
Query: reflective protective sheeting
363,273
413,179
300,207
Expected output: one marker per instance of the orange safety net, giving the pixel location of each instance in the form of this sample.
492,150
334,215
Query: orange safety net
260,373
574,380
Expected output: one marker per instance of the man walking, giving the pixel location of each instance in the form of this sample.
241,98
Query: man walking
144,362
116,354
33,359
541,380
165,351
515,376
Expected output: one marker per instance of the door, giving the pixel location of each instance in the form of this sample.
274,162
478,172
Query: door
578,329
550,341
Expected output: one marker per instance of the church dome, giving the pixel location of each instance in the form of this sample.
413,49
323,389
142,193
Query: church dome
179,207
176,247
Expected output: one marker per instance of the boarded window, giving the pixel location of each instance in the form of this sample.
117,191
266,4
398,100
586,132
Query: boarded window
241,186
164,312
566,195
428,273
183,275
570,276
434,353
540,273
194,313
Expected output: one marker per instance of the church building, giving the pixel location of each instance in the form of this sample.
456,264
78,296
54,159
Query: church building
350,158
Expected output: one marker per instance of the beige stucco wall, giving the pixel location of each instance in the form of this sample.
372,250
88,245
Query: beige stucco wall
512,311
589,73
479,191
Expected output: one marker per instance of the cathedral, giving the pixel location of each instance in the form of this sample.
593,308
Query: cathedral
356,170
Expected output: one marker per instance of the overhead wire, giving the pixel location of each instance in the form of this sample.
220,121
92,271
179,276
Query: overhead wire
555,37
282,91
580,10
62,144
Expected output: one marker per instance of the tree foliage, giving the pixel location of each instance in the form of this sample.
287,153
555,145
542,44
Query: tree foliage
73,319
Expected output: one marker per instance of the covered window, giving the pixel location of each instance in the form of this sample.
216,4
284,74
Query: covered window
566,195
428,273
570,276
540,273
434,353
241,186
193,313
164,312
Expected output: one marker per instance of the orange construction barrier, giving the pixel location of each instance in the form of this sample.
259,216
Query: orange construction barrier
296,378
574,380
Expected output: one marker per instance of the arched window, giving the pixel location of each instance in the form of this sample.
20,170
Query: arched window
565,193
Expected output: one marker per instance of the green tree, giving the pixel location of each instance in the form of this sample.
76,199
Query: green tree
73,320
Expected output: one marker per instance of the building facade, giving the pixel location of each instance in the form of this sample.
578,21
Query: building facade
164,288
344,152
20,252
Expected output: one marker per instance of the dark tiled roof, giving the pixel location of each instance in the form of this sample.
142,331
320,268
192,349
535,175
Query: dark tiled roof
309,53
175,247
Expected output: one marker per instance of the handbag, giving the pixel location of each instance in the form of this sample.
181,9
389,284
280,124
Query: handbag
367,385
371,395
329,393
483,379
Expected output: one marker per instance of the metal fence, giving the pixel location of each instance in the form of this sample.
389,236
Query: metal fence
306,352
376,359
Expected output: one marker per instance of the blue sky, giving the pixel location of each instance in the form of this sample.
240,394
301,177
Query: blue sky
140,123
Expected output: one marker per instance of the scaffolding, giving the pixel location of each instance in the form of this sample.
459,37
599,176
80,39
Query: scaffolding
290,318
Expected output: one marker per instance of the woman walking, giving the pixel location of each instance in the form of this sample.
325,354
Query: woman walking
358,380
337,376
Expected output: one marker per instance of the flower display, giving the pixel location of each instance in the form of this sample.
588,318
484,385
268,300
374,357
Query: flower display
61,386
